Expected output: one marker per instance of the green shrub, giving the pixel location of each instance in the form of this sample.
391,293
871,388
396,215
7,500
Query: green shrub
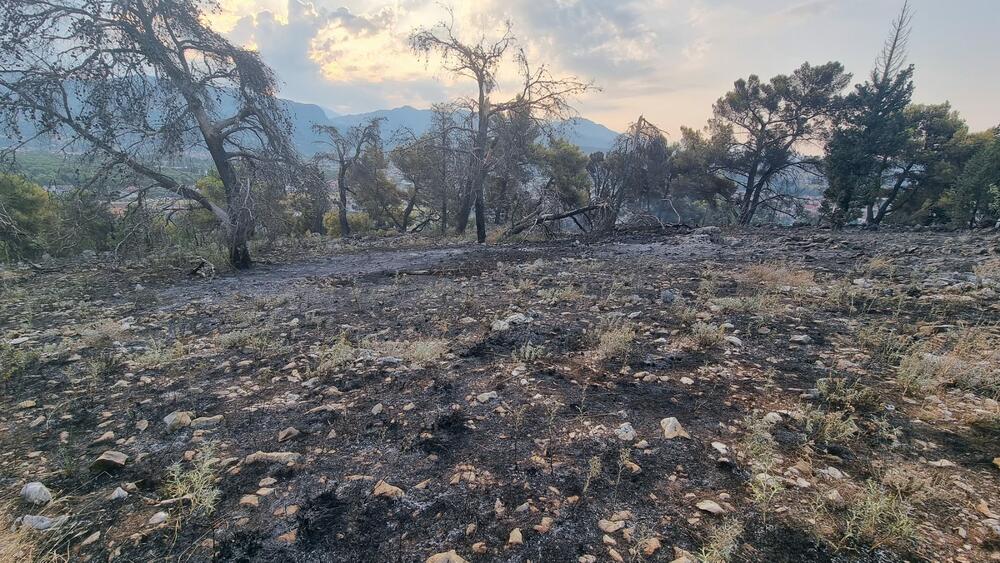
26,211
15,362
360,222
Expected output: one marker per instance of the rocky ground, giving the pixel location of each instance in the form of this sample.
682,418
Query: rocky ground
787,395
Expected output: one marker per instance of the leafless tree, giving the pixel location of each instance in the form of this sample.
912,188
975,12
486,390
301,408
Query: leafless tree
540,95
347,150
132,81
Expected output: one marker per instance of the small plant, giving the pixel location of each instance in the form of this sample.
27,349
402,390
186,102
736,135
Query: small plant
102,334
778,275
420,351
879,518
559,294
196,482
763,304
829,427
159,354
884,345
103,366
854,396
250,339
707,336
761,451
336,356
529,353
616,340
723,543
15,363
594,469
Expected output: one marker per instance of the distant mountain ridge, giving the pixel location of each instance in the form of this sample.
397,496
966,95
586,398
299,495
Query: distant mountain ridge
586,134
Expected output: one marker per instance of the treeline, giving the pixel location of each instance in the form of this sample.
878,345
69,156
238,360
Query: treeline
772,150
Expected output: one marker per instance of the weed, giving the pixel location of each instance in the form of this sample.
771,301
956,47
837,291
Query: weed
706,336
777,275
159,354
196,482
853,396
884,345
336,356
560,294
248,338
15,362
420,351
829,427
760,449
102,334
593,471
616,340
763,304
878,518
102,366
723,543
529,353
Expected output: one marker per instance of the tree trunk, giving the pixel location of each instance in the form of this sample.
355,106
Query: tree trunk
345,226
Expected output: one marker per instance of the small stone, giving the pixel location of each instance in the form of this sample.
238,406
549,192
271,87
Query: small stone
710,506
158,518
267,482
289,537
385,490
672,429
109,460
545,525
250,500
118,494
36,493
105,438
272,457
288,434
446,557
941,463
479,548
377,409
649,546
610,527
142,425
803,339
486,397
515,537
721,448
203,422
90,539
625,432
41,522
29,404
687,381
177,420
772,418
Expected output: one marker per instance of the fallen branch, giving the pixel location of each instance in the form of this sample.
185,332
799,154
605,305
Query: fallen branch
539,219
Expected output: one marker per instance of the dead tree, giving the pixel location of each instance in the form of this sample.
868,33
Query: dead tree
130,82
347,150
541,95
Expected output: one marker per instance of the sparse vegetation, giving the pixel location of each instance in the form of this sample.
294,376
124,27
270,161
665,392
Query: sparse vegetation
195,482
879,518
615,340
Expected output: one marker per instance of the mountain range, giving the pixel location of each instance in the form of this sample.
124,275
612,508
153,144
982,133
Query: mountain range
586,134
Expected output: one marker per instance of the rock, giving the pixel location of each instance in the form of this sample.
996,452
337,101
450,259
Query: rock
40,523
834,497
118,494
649,546
109,461
512,320
996,462
672,429
941,463
250,500
721,448
377,409
177,420
287,434
90,539
203,422
446,557
711,507
668,296
272,457
610,527
158,518
289,537
588,558
682,556
713,233
142,425
802,339
486,397
385,490
772,418
545,525
625,432
734,340
479,548
687,381
36,493
108,436
267,482
515,537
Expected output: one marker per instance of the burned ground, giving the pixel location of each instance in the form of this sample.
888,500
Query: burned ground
838,391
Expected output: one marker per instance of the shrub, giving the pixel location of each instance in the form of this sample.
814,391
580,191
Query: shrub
616,340
706,336
14,362
196,482
26,211
360,222
829,427
779,275
878,518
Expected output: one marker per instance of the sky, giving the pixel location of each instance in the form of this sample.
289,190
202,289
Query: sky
668,60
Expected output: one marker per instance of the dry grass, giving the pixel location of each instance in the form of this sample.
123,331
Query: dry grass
195,482
707,336
102,334
616,340
879,518
778,275
832,427
15,362
336,356
884,345
560,294
723,544
420,351
988,269
763,304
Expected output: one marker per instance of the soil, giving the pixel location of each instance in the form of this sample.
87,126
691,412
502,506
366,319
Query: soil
255,347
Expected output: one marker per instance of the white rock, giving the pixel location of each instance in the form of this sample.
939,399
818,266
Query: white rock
36,493
801,339
118,494
710,506
625,432
486,397
672,429
158,518
177,420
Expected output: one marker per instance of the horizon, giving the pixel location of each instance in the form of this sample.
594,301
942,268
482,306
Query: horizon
668,61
